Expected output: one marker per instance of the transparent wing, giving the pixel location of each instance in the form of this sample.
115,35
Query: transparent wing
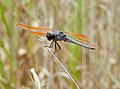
81,36
31,27
39,33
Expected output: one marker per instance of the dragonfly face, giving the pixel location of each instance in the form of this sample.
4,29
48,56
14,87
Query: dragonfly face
50,36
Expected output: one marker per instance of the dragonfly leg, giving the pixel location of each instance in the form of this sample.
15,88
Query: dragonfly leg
56,50
51,45
57,45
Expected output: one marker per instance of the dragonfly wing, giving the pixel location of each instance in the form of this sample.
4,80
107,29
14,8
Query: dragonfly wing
79,35
32,27
39,33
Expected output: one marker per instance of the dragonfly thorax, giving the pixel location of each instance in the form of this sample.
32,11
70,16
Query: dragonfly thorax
56,36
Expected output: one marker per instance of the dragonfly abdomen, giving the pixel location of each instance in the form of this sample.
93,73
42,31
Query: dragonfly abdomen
68,39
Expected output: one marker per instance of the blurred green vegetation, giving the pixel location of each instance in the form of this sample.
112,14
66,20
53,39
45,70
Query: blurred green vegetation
19,50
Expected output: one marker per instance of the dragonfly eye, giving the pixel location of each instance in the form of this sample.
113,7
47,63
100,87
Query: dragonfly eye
50,36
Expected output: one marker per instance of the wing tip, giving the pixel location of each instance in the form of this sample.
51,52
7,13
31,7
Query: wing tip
19,25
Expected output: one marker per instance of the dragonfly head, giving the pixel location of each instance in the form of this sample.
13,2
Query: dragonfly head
50,36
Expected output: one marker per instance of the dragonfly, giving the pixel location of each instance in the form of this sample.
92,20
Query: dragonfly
57,35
